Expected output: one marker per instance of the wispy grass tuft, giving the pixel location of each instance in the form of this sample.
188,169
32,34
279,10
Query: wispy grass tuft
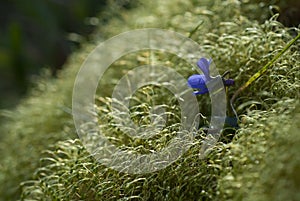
259,163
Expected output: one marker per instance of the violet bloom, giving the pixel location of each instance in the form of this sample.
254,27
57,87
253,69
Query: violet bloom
199,82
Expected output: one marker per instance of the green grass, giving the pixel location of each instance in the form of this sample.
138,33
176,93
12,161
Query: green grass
42,159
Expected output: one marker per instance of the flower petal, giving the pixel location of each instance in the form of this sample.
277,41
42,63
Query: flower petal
198,82
203,64
228,82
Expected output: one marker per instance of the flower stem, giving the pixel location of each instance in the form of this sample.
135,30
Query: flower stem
261,72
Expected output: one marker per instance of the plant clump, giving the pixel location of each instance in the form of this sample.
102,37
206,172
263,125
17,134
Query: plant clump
258,163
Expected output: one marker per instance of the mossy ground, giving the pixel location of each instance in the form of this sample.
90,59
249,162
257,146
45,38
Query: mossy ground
42,159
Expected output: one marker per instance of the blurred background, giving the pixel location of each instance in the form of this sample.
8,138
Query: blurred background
37,34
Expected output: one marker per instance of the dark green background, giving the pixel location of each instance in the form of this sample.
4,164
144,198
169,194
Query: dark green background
35,34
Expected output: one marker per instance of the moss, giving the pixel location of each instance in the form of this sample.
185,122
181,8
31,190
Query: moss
262,157
243,169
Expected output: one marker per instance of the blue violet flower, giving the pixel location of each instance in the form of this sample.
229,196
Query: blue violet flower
199,82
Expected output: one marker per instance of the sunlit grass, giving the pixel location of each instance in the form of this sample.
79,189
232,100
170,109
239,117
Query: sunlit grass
42,154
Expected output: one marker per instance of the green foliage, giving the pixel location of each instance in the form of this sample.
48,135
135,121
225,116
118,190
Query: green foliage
260,163
262,159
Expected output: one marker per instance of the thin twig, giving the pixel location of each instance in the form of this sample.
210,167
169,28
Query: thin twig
261,72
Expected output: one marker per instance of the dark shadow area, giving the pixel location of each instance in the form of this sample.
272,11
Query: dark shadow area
35,34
